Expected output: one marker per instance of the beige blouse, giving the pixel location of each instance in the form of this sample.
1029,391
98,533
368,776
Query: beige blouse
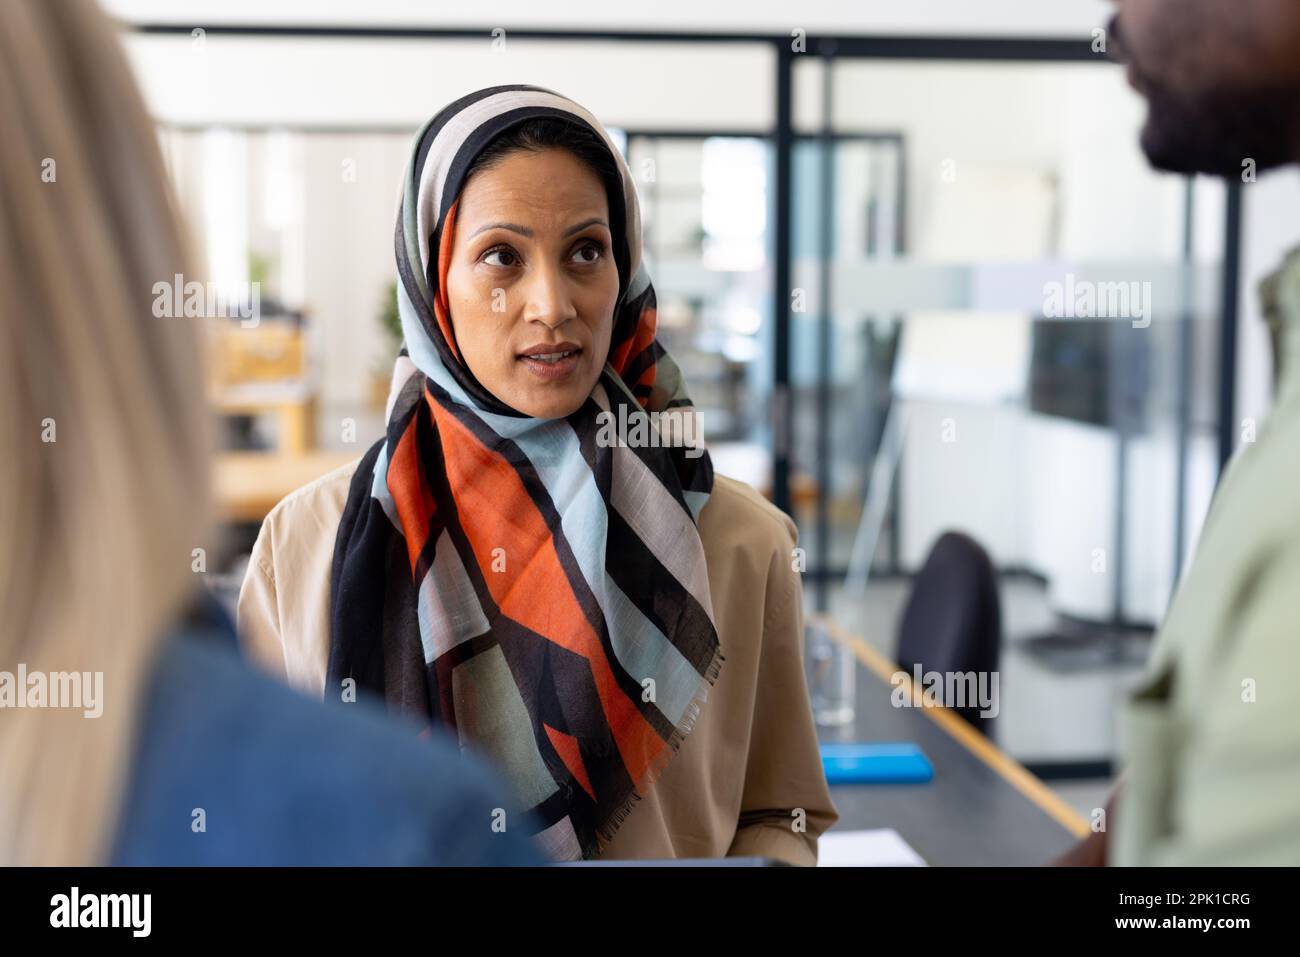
747,780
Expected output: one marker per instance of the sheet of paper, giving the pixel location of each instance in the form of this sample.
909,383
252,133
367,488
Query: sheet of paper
878,848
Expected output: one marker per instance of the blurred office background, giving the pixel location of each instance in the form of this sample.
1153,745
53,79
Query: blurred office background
851,213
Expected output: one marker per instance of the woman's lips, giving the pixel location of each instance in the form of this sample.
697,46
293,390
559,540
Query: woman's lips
554,365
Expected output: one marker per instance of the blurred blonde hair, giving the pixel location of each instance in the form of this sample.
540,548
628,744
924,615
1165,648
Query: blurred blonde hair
98,525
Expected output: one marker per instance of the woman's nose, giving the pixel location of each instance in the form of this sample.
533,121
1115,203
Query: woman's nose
549,301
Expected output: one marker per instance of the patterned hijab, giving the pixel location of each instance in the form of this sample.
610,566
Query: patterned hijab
530,585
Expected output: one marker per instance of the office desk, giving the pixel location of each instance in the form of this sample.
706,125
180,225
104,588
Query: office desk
292,404
247,485
981,808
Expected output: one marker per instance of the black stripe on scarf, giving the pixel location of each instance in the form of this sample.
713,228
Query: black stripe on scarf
654,590
582,592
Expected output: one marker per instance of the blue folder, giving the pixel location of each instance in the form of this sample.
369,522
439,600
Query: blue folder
892,763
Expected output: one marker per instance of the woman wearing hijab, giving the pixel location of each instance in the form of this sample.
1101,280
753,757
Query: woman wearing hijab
538,555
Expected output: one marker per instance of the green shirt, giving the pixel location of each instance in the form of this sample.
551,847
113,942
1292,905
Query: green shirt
1211,738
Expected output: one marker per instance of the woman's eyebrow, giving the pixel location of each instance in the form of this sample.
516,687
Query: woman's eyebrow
594,221
525,231
522,230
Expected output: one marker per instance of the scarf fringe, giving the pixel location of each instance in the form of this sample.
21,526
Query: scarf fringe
605,831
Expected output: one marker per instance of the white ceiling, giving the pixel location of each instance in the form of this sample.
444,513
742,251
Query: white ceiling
1062,18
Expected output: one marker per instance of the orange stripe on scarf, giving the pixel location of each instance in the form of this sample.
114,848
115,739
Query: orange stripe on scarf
441,310
406,483
633,347
497,512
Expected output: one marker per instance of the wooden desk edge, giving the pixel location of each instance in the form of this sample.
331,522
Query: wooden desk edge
237,502
1008,767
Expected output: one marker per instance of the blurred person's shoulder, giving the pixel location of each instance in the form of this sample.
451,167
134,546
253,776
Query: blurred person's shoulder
1203,729
231,767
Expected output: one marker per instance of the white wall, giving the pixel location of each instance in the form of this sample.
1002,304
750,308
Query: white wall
335,82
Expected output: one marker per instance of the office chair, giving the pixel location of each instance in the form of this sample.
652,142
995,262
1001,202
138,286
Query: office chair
953,619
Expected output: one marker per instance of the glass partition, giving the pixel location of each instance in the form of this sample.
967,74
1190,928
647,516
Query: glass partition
1007,333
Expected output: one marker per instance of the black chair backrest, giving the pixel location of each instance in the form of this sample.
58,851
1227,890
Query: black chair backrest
953,621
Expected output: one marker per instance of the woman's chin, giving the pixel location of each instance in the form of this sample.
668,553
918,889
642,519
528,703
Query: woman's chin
552,401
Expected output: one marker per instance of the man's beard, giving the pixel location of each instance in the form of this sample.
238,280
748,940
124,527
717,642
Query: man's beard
1221,133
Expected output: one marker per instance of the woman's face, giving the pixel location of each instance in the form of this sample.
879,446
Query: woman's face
532,281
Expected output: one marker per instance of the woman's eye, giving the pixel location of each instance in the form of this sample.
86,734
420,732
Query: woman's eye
589,252
506,257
